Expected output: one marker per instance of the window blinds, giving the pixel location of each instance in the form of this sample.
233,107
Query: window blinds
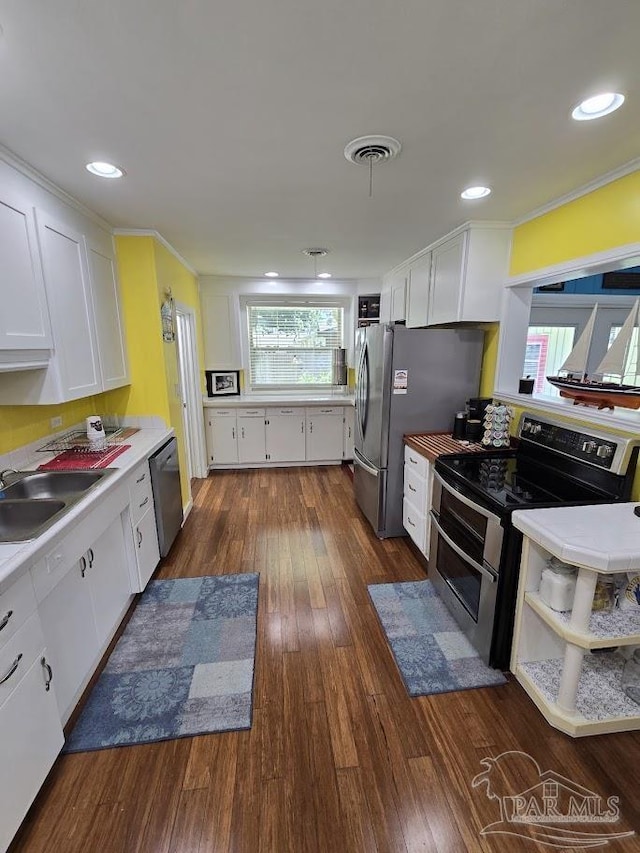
290,345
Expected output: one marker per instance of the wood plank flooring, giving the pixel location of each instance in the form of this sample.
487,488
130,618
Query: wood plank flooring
339,758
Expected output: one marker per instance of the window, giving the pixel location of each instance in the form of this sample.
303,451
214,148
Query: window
290,346
547,348
631,377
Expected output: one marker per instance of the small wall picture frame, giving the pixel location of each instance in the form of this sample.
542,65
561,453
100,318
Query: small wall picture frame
223,383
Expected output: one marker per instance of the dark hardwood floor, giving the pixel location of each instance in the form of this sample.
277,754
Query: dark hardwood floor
338,757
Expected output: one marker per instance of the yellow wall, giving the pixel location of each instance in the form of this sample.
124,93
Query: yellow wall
604,219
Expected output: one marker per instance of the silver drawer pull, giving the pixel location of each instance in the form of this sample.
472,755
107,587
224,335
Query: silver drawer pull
5,619
411,489
48,677
144,502
140,479
410,522
286,411
12,669
413,461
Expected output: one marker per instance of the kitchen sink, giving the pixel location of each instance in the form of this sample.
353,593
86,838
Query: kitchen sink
51,484
34,500
21,520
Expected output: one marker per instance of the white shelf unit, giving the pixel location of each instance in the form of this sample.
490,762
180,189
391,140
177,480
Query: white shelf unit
577,690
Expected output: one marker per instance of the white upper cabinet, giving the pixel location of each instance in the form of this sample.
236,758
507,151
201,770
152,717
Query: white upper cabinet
398,296
221,323
458,279
108,316
24,320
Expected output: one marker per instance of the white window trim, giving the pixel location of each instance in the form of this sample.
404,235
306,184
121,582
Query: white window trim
312,299
516,307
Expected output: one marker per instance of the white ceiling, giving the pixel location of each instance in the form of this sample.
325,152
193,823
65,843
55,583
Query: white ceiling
231,117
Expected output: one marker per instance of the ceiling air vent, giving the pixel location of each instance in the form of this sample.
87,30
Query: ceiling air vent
368,150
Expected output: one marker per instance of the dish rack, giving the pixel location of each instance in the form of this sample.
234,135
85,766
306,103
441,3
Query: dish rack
77,441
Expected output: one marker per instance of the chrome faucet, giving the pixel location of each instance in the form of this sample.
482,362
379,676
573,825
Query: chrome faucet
3,474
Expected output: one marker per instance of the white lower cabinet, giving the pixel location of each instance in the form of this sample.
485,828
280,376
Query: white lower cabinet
251,437
222,441
143,527
30,729
285,435
109,583
416,502
349,422
325,435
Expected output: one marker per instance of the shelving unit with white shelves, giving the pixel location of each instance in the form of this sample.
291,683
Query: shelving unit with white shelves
570,663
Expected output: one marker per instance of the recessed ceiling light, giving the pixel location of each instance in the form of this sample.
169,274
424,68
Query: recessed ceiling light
324,275
598,106
105,170
272,274
475,192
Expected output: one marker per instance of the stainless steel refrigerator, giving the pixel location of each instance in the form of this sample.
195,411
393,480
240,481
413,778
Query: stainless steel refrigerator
407,380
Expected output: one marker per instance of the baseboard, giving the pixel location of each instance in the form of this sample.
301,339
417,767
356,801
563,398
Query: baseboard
186,510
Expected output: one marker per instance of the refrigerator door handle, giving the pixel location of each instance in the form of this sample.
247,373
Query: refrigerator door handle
368,468
363,408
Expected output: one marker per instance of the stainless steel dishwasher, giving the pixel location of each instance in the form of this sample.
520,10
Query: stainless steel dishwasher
167,496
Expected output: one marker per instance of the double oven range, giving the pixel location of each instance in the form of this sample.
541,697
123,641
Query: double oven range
474,556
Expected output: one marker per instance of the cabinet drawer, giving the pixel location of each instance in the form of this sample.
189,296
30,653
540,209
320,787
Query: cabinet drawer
415,524
221,413
415,488
18,654
295,412
250,413
415,461
337,411
140,492
16,605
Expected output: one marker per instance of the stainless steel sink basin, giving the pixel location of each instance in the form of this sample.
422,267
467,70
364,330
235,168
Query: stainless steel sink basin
51,484
20,520
34,500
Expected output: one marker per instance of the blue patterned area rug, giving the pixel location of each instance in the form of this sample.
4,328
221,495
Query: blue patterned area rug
183,666
432,653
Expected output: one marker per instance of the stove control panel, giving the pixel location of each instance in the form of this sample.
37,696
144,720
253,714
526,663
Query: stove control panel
596,449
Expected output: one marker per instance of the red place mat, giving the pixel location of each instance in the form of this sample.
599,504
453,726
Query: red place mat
71,459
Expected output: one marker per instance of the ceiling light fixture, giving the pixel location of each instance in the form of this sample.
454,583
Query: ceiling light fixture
104,170
272,274
316,253
371,150
597,106
472,193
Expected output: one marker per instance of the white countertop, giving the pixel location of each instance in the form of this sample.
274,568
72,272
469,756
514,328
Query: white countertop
605,537
249,400
16,557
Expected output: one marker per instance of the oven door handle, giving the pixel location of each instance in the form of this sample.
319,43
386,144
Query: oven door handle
490,574
460,497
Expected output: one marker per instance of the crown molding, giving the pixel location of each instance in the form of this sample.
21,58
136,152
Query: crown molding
585,189
610,259
150,232
42,181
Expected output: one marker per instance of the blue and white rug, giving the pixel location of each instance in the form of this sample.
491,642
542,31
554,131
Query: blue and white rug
432,653
183,666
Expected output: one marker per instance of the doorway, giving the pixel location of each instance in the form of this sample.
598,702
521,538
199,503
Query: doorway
190,395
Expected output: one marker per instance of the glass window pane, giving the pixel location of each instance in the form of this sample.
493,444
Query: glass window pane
547,348
631,377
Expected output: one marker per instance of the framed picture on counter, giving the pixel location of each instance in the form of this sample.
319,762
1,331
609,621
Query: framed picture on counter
223,383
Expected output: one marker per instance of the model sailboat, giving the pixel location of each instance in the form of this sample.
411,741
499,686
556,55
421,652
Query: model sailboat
583,389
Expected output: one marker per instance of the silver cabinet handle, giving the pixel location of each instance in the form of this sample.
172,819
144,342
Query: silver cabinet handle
12,669
242,432
140,479
5,619
410,522
144,502
91,557
413,461
310,426
411,489
139,536
233,432
83,566
48,677
302,426
286,411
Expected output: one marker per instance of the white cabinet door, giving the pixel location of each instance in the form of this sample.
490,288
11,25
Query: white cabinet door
30,739
398,296
67,282
221,328
24,319
70,633
418,292
147,549
385,300
285,435
446,280
325,435
349,431
109,583
222,440
251,439
108,318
